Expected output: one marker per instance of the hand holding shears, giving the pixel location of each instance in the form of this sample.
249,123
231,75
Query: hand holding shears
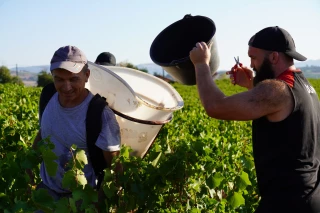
240,74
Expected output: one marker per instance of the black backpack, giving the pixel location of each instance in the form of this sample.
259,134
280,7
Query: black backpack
93,127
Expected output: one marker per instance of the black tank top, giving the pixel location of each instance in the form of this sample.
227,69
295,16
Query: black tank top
287,153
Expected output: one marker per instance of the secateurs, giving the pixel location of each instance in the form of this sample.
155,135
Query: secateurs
235,69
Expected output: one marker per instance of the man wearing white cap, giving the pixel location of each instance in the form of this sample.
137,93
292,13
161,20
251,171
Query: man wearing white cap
64,120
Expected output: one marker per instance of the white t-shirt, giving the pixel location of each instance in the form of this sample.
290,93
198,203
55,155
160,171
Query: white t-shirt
67,126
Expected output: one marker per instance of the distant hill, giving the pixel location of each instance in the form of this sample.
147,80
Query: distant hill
311,71
308,63
26,75
311,68
152,68
32,69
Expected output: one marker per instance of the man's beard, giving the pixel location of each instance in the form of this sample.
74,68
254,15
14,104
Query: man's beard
265,72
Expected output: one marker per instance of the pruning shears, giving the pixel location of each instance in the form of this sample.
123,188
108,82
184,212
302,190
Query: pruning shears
238,64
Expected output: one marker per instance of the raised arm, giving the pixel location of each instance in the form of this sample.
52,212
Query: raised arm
269,98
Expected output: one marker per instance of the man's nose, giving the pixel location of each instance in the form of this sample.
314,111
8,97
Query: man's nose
67,86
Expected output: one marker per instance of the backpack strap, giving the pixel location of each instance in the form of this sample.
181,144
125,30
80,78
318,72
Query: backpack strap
46,94
93,128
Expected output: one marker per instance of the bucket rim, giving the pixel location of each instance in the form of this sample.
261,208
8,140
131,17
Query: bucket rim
175,94
184,59
140,121
179,100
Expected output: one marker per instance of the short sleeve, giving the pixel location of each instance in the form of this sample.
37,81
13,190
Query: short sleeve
109,138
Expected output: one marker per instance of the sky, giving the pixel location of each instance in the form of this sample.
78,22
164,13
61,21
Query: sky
31,31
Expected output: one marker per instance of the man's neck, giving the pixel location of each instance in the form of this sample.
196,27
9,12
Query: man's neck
284,68
73,102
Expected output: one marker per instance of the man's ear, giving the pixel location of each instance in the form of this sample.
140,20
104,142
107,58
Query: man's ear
274,57
87,75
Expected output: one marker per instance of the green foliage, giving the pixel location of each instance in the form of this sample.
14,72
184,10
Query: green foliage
130,65
18,121
48,156
143,70
5,77
16,80
197,164
316,85
44,78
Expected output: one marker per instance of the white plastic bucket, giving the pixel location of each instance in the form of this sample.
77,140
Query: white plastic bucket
142,103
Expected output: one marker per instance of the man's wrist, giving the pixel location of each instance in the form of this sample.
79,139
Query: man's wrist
201,66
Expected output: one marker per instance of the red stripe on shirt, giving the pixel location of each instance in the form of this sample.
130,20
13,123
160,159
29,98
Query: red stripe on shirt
288,77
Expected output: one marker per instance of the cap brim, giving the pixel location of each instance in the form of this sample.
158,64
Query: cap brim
67,65
296,55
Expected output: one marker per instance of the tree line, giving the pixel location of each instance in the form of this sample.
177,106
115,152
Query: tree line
6,77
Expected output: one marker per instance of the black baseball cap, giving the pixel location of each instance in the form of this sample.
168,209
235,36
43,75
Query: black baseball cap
106,59
276,39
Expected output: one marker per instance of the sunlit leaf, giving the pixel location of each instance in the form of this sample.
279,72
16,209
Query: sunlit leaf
236,200
155,161
81,159
214,180
243,181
